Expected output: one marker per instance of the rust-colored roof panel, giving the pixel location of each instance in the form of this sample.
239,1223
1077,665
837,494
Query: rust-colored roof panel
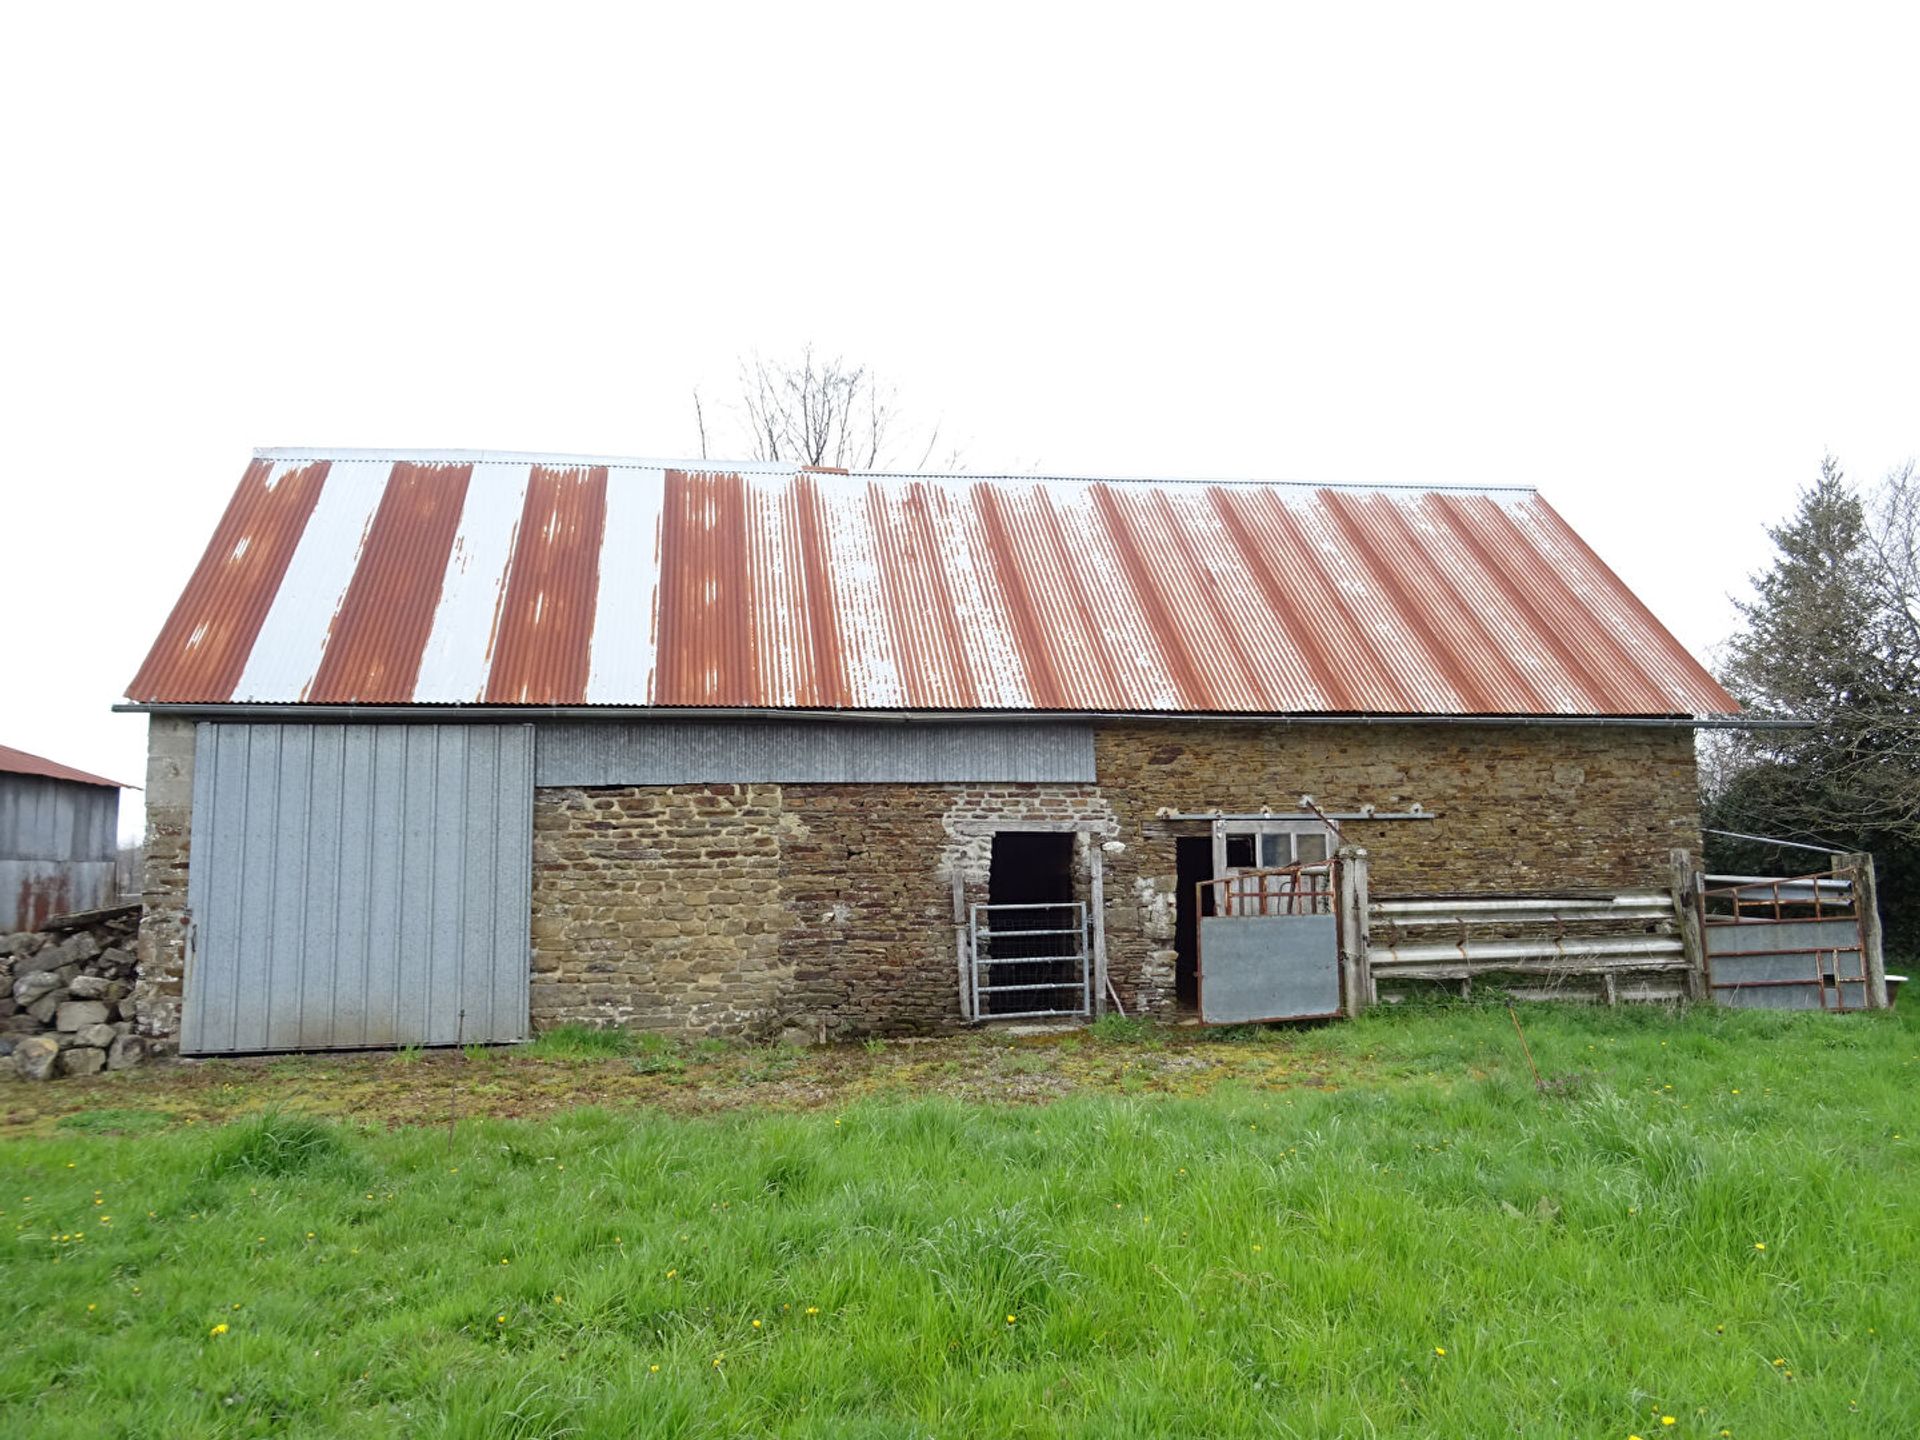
376,638
544,638
449,578
19,762
204,645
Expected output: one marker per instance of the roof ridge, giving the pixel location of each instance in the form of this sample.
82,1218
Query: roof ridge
785,467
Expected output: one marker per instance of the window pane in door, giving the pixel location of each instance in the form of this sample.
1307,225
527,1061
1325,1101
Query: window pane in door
1313,848
1274,852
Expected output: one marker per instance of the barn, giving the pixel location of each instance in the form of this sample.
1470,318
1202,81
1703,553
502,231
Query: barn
453,746
58,830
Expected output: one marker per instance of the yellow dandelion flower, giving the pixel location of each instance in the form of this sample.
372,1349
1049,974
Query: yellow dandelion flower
653,1369
672,1273
90,1307
1441,1351
1666,1419
219,1329
813,1309
1759,1245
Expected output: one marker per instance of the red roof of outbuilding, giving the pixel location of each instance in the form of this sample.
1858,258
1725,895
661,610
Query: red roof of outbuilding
19,762
460,578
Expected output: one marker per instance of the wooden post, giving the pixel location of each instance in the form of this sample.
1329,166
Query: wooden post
1355,937
1097,862
1866,901
960,944
1684,885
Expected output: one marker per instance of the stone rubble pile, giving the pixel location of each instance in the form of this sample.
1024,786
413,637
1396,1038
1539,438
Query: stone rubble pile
66,996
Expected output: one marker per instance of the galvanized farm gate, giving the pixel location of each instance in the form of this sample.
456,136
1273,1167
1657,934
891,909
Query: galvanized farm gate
1030,961
1269,944
358,885
1803,943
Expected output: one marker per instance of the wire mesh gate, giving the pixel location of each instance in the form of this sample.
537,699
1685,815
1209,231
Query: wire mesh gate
1792,944
1029,961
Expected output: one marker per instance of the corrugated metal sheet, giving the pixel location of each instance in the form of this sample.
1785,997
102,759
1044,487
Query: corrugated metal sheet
57,841
454,578
673,752
358,885
19,762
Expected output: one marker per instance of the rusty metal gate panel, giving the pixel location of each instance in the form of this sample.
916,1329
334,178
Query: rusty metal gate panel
1788,944
358,885
1270,945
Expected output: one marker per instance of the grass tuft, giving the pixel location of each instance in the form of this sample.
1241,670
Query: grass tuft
277,1144
1114,1029
581,1042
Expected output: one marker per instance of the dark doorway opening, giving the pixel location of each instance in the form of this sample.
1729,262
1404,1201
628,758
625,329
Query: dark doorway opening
1031,867
1035,952
1193,863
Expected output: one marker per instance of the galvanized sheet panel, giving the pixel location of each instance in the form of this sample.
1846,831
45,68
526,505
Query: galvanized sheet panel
1750,961
358,885
32,892
674,752
643,583
57,840
1268,967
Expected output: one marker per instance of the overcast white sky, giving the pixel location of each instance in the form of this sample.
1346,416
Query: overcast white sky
1655,260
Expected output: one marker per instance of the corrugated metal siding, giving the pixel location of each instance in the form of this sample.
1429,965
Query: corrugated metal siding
57,842
451,579
358,885
671,752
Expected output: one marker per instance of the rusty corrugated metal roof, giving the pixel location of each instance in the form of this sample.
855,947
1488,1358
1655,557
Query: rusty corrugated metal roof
457,578
19,762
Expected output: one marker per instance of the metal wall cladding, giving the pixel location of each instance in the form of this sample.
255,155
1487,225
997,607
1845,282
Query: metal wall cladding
453,578
673,752
358,885
1268,967
57,841
1788,964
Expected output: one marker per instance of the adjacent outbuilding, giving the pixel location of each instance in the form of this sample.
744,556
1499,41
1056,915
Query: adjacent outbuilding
452,746
58,830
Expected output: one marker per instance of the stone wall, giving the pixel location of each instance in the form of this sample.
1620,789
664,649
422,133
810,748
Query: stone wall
749,909
163,888
1516,809
66,1007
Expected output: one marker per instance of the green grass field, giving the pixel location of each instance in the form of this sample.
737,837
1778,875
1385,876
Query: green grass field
1705,1224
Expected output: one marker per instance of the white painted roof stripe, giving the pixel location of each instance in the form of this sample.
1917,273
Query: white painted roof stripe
453,668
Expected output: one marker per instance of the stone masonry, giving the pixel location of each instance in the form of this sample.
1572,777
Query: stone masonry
163,886
1517,809
66,1004
824,909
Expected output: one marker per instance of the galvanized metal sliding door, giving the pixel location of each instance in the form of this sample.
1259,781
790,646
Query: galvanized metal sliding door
358,885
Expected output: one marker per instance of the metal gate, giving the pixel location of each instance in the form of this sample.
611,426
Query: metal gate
1030,961
1791,944
358,885
1269,945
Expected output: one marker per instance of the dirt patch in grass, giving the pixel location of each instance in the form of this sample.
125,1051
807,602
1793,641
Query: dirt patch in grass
435,1087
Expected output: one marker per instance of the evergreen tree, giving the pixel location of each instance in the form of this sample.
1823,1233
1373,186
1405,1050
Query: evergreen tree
1828,638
